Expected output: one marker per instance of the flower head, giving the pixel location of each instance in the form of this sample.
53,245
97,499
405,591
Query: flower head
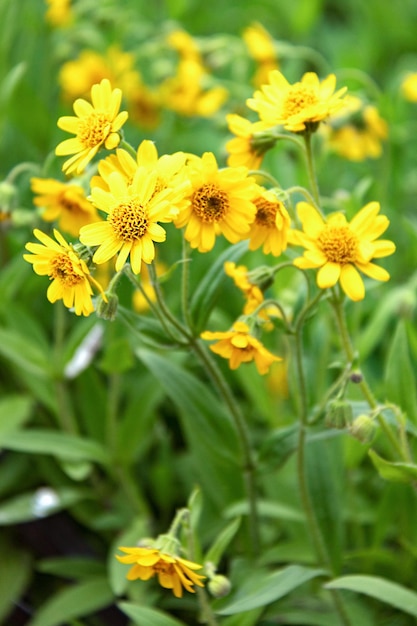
409,87
299,106
239,346
70,276
246,148
221,202
64,202
95,125
173,572
340,248
270,228
261,48
59,12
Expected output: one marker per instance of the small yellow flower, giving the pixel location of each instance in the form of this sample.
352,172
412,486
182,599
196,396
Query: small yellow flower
239,346
271,225
244,149
409,87
173,572
95,125
299,106
261,48
221,203
70,276
340,248
59,12
63,202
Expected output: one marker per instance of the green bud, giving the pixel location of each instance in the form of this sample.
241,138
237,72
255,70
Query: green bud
338,414
363,428
262,277
219,586
107,309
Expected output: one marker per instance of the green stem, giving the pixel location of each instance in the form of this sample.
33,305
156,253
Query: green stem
125,145
185,282
310,168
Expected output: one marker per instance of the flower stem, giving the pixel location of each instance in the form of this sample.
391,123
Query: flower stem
310,168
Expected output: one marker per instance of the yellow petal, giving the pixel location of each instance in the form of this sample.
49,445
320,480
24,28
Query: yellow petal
328,275
352,283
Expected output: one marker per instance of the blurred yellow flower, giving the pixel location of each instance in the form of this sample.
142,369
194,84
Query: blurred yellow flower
70,276
297,107
95,125
221,203
173,572
239,346
271,224
262,49
59,12
64,202
340,248
244,149
409,87
253,294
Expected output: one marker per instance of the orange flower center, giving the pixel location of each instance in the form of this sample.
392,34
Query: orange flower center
210,203
266,212
62,269
70,205
163,567
299,98
339,244
129,221
94,129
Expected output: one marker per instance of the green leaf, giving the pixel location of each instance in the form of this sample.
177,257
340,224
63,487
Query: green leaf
264,589
40,503
24,354
400,381
221,542
14,412
142,615
61,445
266,508
74,601
384,590
15,570
209,288
397,472
72,567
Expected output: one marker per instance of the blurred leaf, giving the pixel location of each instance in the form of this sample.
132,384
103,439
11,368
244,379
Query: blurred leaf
266,509
249,618
142,615
14,412
15,570
400,380
222,541
267,588
397,472
384,590
62,445
77,470
72,567
9,83
37,504
24,354
209,288
72,602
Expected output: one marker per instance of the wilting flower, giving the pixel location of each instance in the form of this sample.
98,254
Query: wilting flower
64,202
409,87
133,212
173,572
246,148
95,125
70,276
239,346
221,203
340,248
297,107
270,228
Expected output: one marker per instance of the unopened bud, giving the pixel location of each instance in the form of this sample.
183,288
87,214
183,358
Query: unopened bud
338,414
356,377
363,428
262,277
107,309
219,586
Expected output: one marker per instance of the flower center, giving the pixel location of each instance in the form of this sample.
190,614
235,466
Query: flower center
94,129
299,98
162,566
339,244
129,221
72,206
266,212
210,203
62,269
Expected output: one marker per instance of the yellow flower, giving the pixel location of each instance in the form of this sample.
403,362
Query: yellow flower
340,248
261,47
239,346
299,106
253,293
244,149
173,572
59,12
409,87
95,125
131,226
270,228
70,276
63,202
221,203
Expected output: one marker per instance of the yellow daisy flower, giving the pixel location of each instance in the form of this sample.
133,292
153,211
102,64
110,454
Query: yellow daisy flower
297,107
409,87
173,572
245,149
70,276
239,346
341,248
131,226
271,225
221,203
63,202
95,125
261,48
